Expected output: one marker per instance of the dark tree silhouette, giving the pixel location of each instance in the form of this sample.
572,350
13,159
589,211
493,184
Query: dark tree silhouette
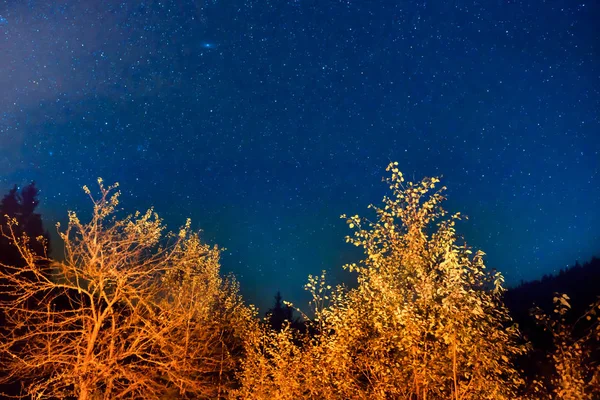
280,313
581,284
21,207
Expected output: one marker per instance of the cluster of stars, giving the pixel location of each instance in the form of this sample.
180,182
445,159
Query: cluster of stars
264,121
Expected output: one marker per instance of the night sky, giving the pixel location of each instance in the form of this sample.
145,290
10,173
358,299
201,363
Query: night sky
264,121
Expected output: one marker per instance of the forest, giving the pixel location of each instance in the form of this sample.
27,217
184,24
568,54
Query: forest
132,311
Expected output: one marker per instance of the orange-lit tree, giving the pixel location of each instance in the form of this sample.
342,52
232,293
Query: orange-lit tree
130,312
425,322
576,375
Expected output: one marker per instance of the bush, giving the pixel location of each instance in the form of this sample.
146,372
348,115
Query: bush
425,322
130,312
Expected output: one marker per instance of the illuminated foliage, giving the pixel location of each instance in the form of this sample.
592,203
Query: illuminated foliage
425,322
130,312
133,312
575,375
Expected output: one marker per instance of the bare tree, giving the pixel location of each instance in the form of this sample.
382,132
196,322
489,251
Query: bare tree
130,312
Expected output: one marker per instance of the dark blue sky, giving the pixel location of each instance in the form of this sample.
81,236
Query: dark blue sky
264,121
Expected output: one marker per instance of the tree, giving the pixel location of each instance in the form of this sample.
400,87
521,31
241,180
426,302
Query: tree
426,320
21,207
575,374
279,314
10,203
130,312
